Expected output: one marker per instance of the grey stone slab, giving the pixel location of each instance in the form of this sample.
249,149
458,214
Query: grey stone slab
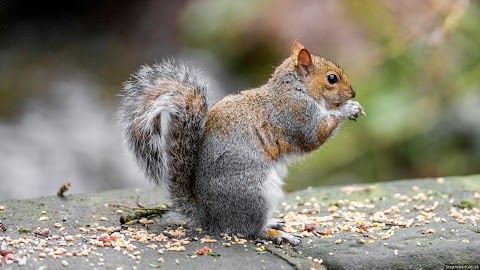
79,211
408,248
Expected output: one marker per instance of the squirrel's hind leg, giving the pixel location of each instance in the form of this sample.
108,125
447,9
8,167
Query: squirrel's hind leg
279,237
172,219
276,223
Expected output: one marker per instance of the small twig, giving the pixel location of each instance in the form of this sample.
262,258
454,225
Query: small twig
124,206
63,189
133,207
144,213
138,203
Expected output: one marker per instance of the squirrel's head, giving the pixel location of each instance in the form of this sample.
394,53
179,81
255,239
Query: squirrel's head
324,80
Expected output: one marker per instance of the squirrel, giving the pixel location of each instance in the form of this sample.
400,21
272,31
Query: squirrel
223,167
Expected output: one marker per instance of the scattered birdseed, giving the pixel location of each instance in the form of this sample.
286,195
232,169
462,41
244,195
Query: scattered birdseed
261,249
209,240
204,250
177,248
361,219
309,227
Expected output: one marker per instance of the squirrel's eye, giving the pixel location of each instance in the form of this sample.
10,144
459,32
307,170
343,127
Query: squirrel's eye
332,78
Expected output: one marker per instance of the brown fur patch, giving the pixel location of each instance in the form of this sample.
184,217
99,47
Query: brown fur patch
195,103
157,123
161,87
215,117
325,130
280,148
233,110
273,143
272,233
137,128
248,112
316,87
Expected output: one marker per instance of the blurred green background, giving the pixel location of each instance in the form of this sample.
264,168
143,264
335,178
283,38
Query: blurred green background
414,64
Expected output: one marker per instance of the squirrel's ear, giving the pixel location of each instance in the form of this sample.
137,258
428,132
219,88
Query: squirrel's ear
304,63
296,48
302,59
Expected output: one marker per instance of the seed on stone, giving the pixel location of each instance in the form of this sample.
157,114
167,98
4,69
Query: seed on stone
69,238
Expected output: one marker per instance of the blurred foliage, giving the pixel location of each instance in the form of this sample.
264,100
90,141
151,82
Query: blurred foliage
225,31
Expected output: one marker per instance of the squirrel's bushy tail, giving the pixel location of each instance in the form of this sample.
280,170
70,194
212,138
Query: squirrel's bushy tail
163,114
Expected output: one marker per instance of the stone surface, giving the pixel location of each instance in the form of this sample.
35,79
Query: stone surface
407,248
86,211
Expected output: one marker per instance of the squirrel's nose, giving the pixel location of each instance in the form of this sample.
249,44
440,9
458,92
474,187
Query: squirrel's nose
353,93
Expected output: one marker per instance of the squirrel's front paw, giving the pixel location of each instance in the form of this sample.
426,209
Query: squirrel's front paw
351,110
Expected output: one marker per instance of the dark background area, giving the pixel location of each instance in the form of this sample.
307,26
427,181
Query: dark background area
414,64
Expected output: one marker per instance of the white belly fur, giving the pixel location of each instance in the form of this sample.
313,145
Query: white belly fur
273,186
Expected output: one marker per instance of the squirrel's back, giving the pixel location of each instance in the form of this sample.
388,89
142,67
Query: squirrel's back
163,115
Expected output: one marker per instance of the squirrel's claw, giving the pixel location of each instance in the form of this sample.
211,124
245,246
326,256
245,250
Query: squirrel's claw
293,239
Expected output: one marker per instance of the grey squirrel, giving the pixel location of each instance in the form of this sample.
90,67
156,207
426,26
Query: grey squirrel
224,167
